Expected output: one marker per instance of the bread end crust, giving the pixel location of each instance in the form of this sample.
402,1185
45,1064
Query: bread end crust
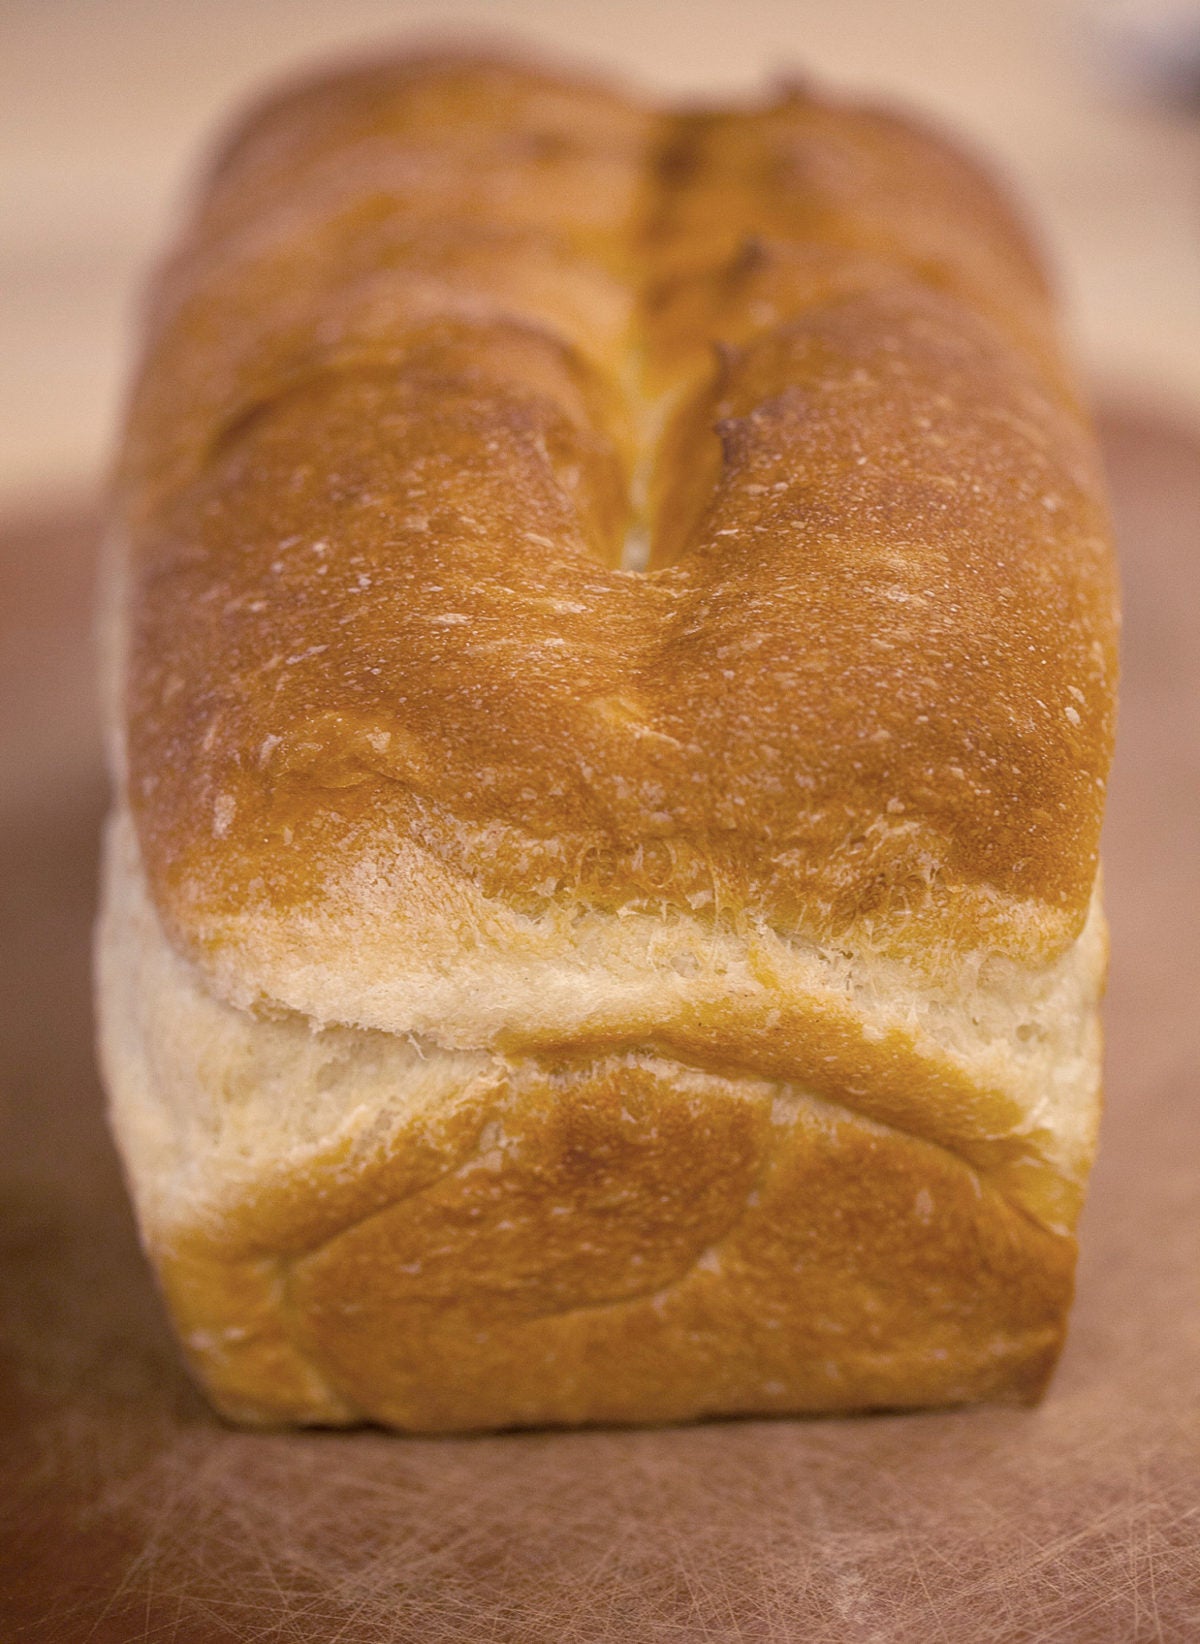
472,1241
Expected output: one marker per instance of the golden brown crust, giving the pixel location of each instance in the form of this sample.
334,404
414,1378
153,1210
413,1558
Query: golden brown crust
891,570
805,811
569,1271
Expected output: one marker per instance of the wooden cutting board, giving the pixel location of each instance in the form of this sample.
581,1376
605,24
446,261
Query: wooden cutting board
129,1513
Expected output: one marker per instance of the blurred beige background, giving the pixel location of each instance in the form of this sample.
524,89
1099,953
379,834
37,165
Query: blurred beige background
105,106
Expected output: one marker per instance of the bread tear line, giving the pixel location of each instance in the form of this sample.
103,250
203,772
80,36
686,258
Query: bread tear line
1006,1109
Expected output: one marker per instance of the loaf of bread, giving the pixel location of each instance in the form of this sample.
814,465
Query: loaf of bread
611,648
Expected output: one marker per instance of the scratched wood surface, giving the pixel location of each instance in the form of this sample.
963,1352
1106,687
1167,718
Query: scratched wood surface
128,1513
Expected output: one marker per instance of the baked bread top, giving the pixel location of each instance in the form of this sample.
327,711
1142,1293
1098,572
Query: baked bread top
590,568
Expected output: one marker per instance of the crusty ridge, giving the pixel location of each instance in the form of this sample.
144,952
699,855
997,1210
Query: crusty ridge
398,416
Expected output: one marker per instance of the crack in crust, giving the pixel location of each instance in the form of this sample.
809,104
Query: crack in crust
1023,1115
